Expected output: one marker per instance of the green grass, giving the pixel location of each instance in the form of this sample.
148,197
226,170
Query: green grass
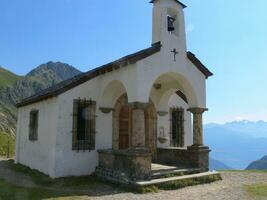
148,189
44,180
37,177
10,191
47,188
257,190
189,182
7,78
173,185
4,138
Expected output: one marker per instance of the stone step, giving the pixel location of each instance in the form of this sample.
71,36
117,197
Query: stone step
172,179
173,172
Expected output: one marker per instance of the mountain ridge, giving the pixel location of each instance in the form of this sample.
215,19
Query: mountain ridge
235,148
42,77
251,128
218,165
260,164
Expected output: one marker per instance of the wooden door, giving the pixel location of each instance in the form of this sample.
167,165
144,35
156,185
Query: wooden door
124,127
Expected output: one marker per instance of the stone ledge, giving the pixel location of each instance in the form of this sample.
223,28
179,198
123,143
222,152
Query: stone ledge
166,180
198,148
128,152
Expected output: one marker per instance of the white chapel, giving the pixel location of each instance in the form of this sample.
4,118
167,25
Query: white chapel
121,118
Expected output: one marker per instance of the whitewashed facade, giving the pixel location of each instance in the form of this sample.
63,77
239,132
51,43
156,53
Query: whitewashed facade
156,78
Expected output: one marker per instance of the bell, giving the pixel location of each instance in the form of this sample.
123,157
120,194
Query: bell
171,24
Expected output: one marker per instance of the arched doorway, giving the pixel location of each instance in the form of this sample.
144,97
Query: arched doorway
172,95
125,127
122,125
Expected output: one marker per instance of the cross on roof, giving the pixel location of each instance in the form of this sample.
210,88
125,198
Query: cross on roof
175,52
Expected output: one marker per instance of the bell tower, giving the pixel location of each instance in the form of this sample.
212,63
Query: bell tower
169,25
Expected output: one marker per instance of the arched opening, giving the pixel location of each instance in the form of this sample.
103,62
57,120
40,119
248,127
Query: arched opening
123,125
111,93
125,122
121,135
173,95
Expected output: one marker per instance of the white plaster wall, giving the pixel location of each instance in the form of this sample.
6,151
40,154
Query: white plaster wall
164,121
190,79
76,163
38,154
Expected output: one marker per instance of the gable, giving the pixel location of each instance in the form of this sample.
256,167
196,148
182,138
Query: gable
84,77
199,65
122,62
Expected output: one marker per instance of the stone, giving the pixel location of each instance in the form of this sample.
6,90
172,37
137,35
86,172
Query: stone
138,129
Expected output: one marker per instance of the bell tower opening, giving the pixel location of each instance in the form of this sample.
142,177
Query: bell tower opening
168,24
171,21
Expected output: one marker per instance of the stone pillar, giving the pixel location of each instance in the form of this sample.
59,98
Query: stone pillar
197,125
138,125
198,153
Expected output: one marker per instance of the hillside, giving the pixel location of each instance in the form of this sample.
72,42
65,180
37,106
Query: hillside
258,164
18,88
7,78
218,165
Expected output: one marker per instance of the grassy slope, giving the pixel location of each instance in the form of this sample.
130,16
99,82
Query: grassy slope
3,144
257,190
10,191
7,78
46,188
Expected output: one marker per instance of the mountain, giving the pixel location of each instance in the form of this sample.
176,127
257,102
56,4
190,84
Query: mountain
235,148
218,165
255,129
258,164
13,88
7,78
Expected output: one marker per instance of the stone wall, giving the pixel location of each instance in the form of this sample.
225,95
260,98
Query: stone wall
124,165
185,157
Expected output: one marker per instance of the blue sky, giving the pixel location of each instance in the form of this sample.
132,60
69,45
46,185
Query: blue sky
230,37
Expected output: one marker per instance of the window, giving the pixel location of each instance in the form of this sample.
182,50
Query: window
84,120
33,125
177,127
171,21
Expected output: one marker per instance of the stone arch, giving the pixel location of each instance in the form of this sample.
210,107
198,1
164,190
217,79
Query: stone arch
169,83
120,103
111,93
150,124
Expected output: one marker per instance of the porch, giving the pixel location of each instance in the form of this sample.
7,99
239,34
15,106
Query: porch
135,165
144,134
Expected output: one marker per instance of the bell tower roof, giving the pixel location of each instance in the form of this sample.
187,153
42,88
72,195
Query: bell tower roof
183,5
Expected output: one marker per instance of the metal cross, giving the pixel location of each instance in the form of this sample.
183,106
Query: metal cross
175,52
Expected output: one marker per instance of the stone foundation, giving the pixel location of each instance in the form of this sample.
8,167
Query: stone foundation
191,157
124,165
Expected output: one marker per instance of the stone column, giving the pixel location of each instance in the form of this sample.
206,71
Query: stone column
198,153
197,125
138,125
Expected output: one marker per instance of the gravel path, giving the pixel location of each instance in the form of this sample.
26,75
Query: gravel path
230,188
